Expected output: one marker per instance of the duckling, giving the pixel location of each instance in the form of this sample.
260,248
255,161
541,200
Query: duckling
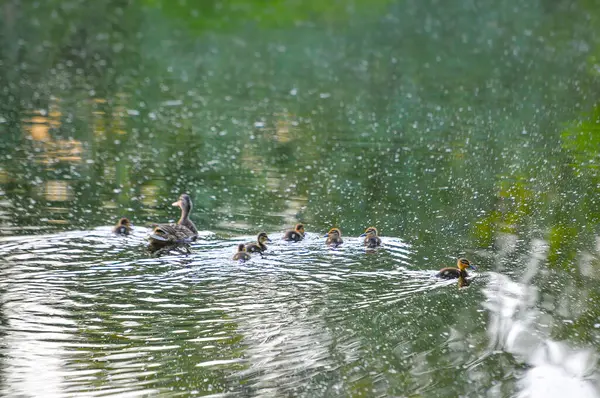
296,235
241,254
123,227
371,238
334,237
258,246
167,236
460,272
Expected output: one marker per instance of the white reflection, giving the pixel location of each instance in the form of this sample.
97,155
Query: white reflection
36,333
555,369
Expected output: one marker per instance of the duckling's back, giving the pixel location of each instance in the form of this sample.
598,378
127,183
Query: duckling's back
372,241
293,236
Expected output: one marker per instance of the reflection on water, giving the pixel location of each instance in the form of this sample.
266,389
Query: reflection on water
455,130
90,312
554,369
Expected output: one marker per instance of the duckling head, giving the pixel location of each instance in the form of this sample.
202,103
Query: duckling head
370,231
300,228
463,264
241,247
262,238
124,222
184,202
333,233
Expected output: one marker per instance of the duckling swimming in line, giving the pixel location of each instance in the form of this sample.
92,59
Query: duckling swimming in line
459,272
334,237
296,235
371,238
258,246
241,254
167,236
123,227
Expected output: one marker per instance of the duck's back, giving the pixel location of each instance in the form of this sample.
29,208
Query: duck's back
187,223
372,241
448,273
293,236
243,256
334,241
121,230
255,247
170,234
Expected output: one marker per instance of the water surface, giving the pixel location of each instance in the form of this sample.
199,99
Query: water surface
457,129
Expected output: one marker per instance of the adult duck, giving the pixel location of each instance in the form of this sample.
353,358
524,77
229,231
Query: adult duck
165,237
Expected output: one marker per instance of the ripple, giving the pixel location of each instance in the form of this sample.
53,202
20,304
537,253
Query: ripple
100,299
301,317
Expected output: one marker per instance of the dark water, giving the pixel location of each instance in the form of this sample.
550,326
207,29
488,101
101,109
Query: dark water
457,128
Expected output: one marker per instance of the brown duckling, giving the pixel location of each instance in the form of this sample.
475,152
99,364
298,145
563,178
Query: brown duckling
296,235
241,254
258,246
459,272
334,237
167,236
123,227
371,238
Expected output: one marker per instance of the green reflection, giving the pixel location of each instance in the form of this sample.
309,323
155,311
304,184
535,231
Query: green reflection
451,126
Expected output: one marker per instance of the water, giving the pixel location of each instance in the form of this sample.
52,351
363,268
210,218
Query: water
456,129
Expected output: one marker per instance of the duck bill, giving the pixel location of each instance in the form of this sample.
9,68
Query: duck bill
362,235
326,235
269,240
474,268
178,203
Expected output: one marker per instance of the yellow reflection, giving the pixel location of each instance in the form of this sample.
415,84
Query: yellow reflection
53,151
57,191
4,177
39,132
150,194
62,151
282,131
115,123
284,127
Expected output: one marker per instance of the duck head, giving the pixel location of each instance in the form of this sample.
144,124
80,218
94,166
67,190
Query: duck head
184,203
300,229
262,238
241,247
370,231
463,264
333,233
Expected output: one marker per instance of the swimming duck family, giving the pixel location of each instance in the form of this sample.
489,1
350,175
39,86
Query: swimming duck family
295,235
165,237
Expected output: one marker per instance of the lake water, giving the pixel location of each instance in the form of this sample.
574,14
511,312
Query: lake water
457,129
